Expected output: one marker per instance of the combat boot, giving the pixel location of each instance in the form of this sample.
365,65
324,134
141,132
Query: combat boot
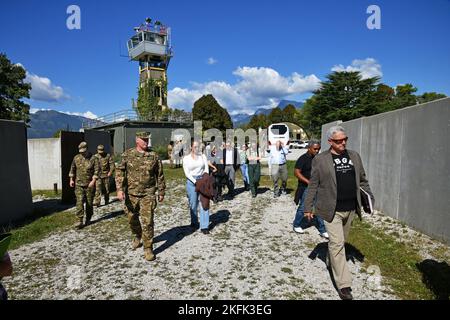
149,255
136,243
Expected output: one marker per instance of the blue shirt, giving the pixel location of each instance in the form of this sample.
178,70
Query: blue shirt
278,156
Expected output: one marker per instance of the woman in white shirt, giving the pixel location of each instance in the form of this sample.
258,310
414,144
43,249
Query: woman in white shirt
194,165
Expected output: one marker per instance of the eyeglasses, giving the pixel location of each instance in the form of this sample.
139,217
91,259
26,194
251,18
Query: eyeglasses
339,141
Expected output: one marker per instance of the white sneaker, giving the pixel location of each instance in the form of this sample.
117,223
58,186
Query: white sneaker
325,235
299,230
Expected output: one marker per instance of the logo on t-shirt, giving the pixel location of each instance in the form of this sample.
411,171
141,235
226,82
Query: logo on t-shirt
343,165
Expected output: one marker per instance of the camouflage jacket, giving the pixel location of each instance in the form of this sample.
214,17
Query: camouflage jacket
140,174
84,169
106,164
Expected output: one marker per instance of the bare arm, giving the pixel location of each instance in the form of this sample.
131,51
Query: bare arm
299,176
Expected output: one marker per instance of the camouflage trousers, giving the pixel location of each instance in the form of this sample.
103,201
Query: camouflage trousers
84,195
140,211
101,187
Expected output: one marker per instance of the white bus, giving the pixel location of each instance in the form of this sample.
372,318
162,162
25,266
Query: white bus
278,131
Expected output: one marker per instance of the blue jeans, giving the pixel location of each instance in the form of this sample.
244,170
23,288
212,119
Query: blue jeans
244,171
303,223
194,201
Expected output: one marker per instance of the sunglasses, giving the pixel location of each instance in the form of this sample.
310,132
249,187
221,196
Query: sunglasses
339,141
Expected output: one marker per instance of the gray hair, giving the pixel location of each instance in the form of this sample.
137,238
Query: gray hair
333,130
313,142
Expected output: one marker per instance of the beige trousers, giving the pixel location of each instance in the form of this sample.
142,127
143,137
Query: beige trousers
338,230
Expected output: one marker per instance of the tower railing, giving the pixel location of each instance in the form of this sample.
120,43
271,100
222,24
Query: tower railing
132,115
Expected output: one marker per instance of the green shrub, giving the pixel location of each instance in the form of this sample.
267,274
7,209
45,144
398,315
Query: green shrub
161,151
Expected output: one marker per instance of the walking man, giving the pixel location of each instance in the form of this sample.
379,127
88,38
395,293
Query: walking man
336,177
277,158
84,172
107,167
139,179
231,162
302,172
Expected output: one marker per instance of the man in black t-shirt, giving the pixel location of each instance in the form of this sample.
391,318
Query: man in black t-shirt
303,173
334,190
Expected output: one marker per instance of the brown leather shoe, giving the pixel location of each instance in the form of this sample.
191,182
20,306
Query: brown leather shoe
136,243
345,293
149,255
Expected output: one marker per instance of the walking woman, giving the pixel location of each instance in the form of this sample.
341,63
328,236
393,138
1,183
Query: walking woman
195,165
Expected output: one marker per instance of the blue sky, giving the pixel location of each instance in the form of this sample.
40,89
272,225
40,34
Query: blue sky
262,51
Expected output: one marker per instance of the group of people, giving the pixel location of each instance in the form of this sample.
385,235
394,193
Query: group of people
329,182
89,175
328,193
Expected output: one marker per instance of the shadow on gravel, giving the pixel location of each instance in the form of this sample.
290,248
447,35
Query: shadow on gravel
321,251
351,253
108,216
171,237
262,190
436,276
221,216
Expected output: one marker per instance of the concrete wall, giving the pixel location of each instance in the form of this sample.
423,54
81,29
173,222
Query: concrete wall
44,161
123,135
15,190
407,160
94,138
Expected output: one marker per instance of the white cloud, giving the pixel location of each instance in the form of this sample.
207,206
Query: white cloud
256,87
42,88
34,110
211,61
369,68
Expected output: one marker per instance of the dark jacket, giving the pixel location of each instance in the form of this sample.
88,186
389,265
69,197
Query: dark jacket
205,186
323,185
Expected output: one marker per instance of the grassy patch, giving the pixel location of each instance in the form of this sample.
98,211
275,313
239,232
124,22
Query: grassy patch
41,228
46,193
173,174
396,261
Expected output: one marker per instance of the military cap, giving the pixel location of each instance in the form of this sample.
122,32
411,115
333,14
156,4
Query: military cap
82,147
143,135
100,148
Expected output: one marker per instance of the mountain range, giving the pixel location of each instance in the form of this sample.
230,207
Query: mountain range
244,118
45,123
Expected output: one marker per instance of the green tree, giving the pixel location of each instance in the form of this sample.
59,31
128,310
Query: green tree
12,90
306,119
212,115
289,113
344,96
276,115
258,121
430,96
404,97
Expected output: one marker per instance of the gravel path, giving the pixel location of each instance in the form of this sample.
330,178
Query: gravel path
251,253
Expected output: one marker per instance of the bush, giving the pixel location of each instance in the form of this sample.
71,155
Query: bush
161,151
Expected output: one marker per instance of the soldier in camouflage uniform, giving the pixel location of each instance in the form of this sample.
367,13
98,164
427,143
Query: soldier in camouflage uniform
83,173
138,176
106,170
